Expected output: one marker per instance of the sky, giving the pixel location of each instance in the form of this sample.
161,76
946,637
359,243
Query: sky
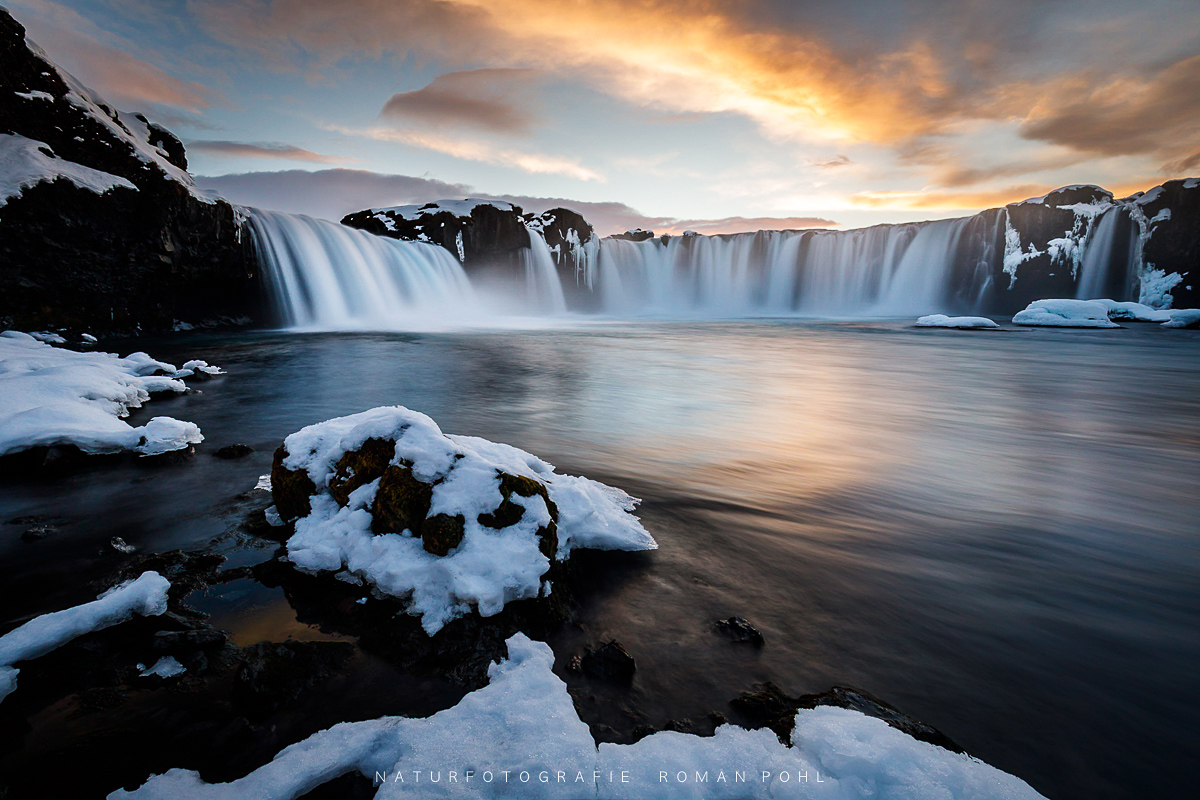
666,114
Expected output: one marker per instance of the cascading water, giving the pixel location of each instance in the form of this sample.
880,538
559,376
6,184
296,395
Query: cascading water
545,292
326,275
892,269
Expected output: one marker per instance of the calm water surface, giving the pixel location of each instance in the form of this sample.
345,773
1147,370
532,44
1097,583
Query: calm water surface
997,532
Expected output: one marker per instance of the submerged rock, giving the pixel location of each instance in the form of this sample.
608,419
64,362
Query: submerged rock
274,673
234,450
739,630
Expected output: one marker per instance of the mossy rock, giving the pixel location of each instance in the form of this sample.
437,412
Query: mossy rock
510,513
359,467
290,488
401,501
441,533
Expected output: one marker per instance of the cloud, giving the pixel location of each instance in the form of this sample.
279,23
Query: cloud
829,163
494,100
1157,115
949,201
334,193
75,44
476,150
262,150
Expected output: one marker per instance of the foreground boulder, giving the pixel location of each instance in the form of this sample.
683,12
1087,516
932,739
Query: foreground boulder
450,524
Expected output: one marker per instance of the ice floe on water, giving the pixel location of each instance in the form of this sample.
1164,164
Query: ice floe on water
521,736
145,595
943,321
449,523
1101,314
52,396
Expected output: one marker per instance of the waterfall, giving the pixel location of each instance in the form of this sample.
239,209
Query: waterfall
545,292
326,275
1097,257
884,270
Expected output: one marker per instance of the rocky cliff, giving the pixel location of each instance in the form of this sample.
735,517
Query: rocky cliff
101,226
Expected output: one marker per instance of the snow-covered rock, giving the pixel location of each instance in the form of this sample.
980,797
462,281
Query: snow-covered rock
1101,313
146,595
25,162
943,321
105,197
450,523
1065,314
521,736
50,396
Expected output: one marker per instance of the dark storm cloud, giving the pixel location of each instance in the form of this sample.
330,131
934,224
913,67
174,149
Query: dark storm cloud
334,193
495,100
261,150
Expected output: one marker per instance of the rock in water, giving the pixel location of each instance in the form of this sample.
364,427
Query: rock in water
739,630
609,662
453,524
234,451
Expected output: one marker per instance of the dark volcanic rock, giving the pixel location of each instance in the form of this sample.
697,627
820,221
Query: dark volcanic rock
739,630
126,260
274,673
767,706
290,488
637,235
234,451
609,662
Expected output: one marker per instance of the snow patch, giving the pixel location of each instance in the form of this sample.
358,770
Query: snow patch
524,722
24,163
145,595
943,321
1065,314
50,396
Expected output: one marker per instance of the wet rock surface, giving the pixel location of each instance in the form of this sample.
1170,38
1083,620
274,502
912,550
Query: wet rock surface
232,451
739,630
610,662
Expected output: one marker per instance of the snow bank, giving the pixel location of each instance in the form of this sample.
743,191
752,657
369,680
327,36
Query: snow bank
1183,318
146,595
1065,314
1100,313
25,162
942,321
50,396
489,567
1135,312
520,736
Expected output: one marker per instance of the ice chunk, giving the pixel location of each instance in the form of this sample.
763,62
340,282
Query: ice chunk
146,595
1183,318
943,321
1065,314
165,667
